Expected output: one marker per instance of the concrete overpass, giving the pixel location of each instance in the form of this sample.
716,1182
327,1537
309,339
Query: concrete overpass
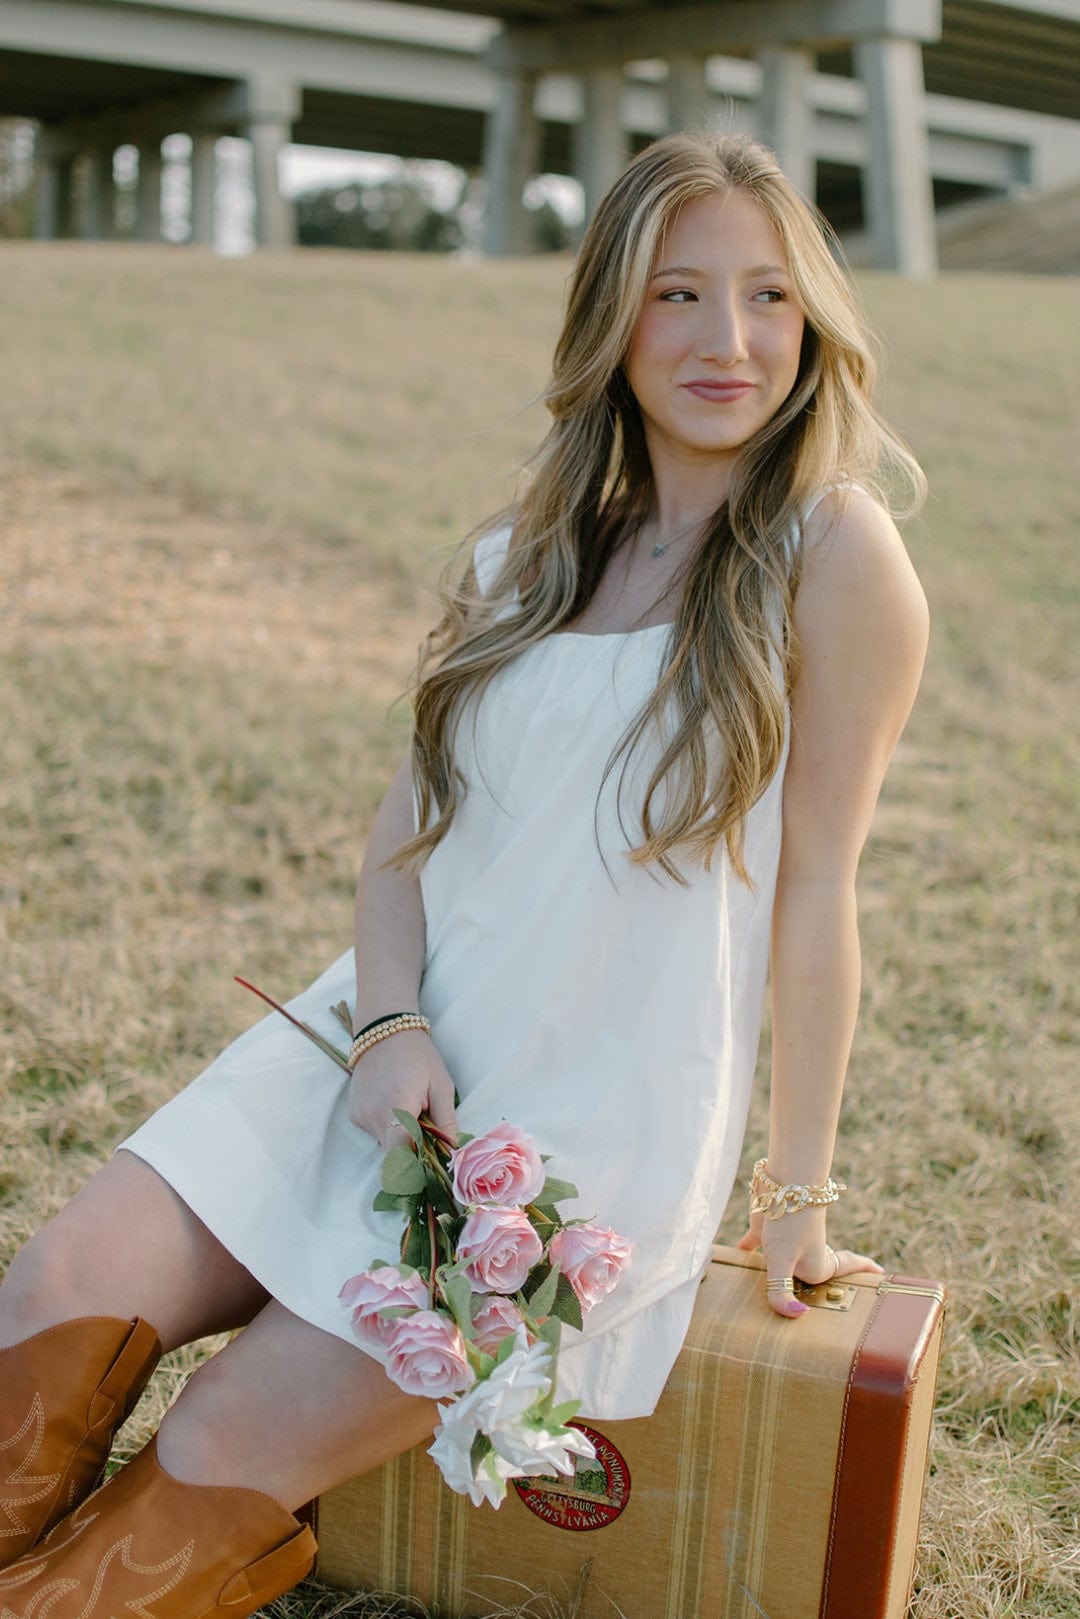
969,92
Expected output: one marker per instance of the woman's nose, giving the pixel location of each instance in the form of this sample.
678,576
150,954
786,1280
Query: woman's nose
723,336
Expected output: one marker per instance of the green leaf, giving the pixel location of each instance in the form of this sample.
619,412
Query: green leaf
551,1333
458,1295
542,1298
560,1415
505,1349
402,1172
481,1447
547,1212
566,1305
416,1246
437,1189
410,1124
340,1009
556,1191
394,1203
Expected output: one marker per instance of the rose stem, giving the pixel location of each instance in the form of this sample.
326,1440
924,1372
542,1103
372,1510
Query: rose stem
305,1028
434,1254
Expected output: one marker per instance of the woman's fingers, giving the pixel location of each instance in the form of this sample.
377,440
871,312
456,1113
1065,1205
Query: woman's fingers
441,1108
847,1263
780,1284
780,1293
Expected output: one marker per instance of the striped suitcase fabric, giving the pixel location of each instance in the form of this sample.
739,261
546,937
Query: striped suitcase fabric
781,1475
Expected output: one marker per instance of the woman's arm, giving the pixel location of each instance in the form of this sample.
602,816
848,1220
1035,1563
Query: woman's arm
861,622
404,1071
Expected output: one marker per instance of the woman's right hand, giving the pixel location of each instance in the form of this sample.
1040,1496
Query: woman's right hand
403,1071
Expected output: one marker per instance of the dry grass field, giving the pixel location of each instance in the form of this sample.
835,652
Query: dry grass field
226,490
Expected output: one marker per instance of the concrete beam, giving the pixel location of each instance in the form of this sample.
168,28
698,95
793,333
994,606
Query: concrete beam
706,30
786,117
897,195
511,156
223,48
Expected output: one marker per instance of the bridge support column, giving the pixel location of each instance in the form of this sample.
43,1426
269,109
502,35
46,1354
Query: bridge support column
203,185
897,194
511,156
52,196
689,104
275,224
148,192
99,222
600,143
785,115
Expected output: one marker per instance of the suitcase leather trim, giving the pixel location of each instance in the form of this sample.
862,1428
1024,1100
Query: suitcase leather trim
874,1458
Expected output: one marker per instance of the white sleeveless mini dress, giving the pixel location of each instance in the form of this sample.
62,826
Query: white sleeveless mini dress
610,1012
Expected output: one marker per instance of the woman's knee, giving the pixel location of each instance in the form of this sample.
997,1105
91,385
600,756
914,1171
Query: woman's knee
126,1244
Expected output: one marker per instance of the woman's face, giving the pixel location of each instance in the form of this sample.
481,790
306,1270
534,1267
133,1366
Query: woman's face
716,348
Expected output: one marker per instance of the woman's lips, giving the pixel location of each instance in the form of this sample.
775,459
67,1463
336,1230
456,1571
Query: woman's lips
718,391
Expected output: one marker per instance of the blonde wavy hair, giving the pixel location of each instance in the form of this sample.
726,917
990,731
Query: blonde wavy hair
732,658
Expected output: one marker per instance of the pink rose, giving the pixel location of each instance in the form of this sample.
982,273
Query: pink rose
495,1321
499,1248
501,1167
592,1259
425,1355
374,1290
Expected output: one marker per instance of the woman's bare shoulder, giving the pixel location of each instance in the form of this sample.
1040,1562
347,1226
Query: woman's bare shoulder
856,573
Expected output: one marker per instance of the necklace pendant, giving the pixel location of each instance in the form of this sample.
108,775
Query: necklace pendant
658,550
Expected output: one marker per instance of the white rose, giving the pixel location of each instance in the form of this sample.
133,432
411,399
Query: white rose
509,1391
531,1447
452,1454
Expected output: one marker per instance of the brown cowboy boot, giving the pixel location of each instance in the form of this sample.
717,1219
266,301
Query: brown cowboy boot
63,1394
150,1545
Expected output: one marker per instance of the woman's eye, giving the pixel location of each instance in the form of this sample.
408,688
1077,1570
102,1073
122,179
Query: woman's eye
677,295
772,295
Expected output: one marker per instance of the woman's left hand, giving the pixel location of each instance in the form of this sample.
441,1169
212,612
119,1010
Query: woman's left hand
795,1247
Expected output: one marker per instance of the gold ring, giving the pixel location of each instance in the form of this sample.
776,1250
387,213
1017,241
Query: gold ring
780,1284
835,1257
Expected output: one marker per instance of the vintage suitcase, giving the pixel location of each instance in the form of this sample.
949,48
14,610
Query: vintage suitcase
780,1477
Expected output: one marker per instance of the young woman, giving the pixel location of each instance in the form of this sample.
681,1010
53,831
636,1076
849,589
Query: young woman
650,732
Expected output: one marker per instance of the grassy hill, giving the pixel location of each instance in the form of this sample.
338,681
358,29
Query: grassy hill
226,490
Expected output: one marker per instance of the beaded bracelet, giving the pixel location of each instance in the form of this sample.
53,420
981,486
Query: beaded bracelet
382,1029
769,1197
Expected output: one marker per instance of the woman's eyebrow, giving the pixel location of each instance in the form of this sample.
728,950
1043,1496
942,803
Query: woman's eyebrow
747,275
675,269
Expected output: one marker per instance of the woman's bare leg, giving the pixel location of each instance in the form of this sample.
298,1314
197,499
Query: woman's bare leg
291,1410
125,1245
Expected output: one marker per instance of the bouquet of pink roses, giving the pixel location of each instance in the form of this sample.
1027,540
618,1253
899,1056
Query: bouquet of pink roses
473,1312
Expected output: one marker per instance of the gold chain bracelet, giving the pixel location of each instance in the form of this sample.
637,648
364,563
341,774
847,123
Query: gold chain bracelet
769,1197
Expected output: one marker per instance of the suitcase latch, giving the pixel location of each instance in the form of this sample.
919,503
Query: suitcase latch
826,1295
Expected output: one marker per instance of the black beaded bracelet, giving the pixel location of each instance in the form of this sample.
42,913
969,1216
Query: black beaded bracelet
374,1024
